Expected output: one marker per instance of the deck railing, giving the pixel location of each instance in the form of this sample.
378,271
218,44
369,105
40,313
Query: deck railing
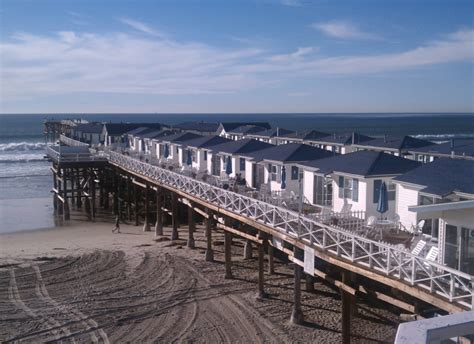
71,142
73,157
447,283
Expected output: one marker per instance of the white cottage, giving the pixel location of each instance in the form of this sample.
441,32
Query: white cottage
168,147
351,182
441,194
199,150
229,158
280,165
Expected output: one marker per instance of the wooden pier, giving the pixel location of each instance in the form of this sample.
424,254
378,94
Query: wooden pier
152,197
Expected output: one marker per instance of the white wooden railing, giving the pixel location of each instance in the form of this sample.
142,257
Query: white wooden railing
71,142
447,283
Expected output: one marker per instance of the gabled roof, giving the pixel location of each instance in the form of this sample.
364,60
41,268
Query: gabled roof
396,142
461,147
160,134
274,132
442,177
90,128
116,129
180,137
306,135
291,152
364,163
207,141
246,129
232,125
139,130
344,138
241,147
198,126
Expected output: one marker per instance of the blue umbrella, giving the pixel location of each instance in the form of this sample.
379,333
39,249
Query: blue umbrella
382,205
167,151
283,177
190,158
228,166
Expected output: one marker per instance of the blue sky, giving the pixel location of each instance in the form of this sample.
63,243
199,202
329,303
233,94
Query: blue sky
236,56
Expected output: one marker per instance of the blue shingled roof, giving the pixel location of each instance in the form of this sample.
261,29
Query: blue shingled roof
116,129
140,130
198,126
364,163
397,142
291,152
206,141
246,129
275,132
241,146
90,128
180,137
443,176
459,146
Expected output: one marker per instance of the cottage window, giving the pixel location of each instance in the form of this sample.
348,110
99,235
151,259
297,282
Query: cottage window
242,164
205,156
391,190
322,191
294,173
193,155
349,188
272,169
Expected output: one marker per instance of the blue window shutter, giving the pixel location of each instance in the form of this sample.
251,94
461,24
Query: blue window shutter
377,185
341,187
355,190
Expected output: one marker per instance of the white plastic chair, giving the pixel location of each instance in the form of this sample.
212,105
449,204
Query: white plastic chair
420,245
371,221
418,228
432,254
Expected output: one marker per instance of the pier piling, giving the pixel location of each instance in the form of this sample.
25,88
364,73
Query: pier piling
248,249
174,218
146,225
192,226
209,226
228,253
297,314
159,212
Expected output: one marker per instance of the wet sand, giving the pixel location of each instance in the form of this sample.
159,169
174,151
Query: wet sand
82,283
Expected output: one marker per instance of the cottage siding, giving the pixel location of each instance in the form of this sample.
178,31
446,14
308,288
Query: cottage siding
249,173
339,202
406,197
308,186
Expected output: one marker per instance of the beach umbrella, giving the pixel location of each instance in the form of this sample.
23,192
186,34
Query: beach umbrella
283,177
228,166
382,205
167,151
190,158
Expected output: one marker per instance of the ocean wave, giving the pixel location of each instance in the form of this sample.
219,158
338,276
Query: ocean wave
22,146
445,136
20,158
39,174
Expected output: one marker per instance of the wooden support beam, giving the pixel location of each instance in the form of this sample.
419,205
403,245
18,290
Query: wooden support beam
297,313
159,212
191,227
239,233
146,225
228,254
209,226
346,311
248,249
136,208
271,264
174,218
261,256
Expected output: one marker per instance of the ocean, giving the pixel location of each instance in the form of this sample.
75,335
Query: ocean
26,181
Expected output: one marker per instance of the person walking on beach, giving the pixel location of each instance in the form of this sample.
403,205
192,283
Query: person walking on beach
117,225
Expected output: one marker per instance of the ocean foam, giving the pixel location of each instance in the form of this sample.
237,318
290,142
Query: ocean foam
22,146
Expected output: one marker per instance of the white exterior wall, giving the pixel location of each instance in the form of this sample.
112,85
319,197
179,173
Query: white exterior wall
308,185
209,162
406,197
248,173
291,185
338,202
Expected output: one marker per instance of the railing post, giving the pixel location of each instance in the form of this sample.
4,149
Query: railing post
451,287
371,251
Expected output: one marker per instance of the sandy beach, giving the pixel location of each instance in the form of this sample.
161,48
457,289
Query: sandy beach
82,283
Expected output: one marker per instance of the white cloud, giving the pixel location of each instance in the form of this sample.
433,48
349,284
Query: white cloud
70,62
139,26
343,30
